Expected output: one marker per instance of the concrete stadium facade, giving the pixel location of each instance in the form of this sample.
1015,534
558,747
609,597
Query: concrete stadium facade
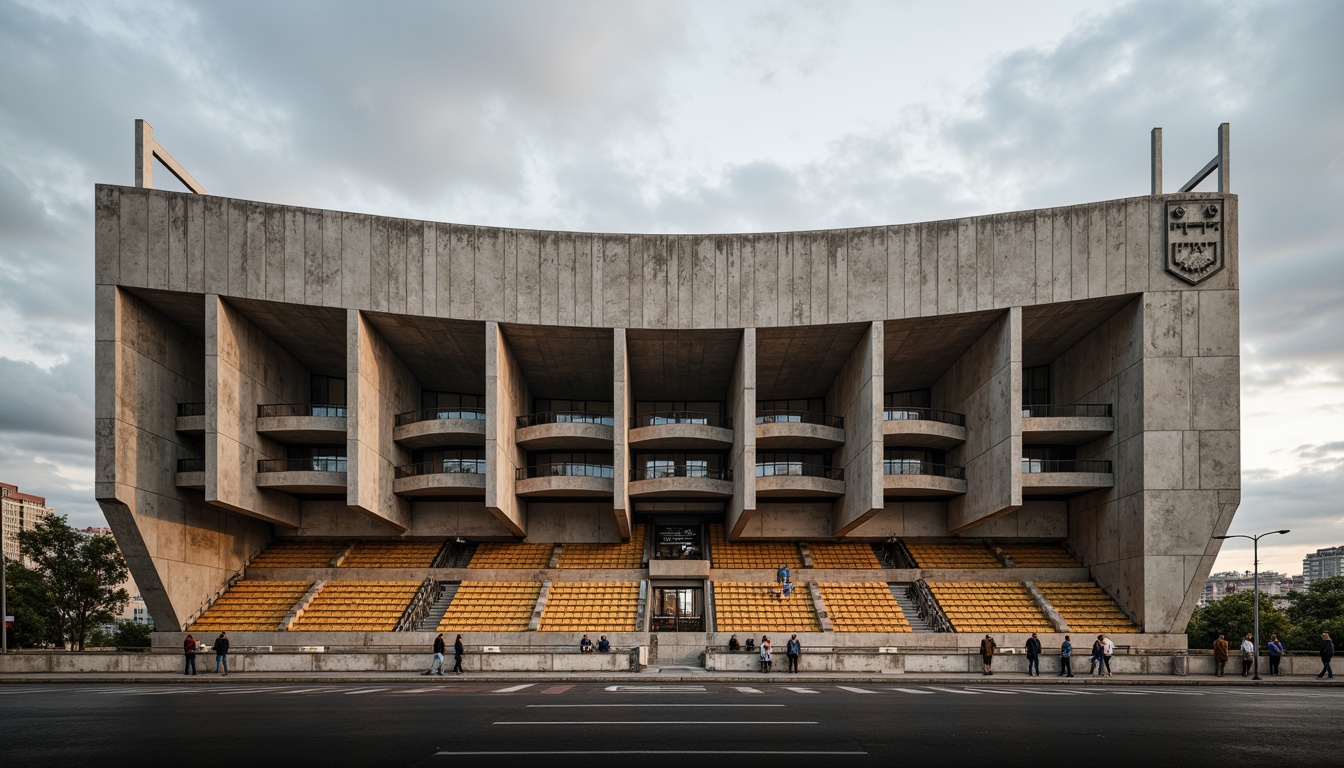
1092,350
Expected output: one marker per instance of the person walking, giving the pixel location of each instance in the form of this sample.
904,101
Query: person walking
1327,653
457,655
987,647
1107,651
1247,655
1097,666
189,651
1066,658
765,653
437,661
221,650
1219,656
1033,655
793,649
1275,655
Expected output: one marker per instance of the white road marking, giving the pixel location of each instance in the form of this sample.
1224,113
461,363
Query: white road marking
654,689
800,690
655,722
854,690
662,752
952,690
743,689
514,688
994,690
911,690
365,690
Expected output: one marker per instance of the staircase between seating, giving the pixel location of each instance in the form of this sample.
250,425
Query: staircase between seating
430,622
911,610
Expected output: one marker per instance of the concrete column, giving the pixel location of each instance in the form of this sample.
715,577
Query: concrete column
986,385
623,407
857,395
506,399
379,386
244,368
742,458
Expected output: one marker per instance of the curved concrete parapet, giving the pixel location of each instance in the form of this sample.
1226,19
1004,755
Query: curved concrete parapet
800,486
441,484
789,435
690,487
561,435
1065,483
1065,430
435,432
922,486
922,433
302,482
303,429
564,485
681,436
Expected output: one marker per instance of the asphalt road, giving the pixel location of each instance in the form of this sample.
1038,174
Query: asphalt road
460,723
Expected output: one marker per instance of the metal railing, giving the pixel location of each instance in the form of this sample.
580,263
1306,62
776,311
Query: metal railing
442,467
313,464
1038,466
929,610
680,470
664,418
191,409
566,417
907,413
799,417
1095,410
440,414
567,469
191,465
798,469
917,467
301,409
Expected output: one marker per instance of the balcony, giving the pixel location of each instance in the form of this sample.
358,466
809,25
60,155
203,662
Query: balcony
191,474
565,479
431,427
302,423
191,418
446,477
1043,477
324,474
910,478
562,430
798,430
680,480
681,430
911,427
798,479
1066,424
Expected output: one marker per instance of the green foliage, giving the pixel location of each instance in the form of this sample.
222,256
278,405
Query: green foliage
35,621
99,638
1233,617
1319,609
132,635
81,575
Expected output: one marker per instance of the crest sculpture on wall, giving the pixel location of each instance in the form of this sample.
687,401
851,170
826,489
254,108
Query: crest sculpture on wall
1194,239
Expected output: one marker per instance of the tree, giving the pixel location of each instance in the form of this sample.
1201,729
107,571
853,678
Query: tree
35,621
132,635
1233,617
1319,609
82,575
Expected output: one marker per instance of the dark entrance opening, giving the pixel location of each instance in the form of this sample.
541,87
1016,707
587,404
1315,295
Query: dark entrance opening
678,609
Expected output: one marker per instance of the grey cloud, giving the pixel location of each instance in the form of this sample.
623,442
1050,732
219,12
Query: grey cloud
58,401
1307,503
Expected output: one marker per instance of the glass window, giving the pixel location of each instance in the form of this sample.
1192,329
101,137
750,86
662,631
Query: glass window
1036,385
327,390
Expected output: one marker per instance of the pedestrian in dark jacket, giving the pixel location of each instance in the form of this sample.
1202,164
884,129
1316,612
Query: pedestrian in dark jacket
436,664
987,647
793,649
1327,653
1098,657
1275,654
1066,658
189,651
1033,655
1219,655
221,650
457,655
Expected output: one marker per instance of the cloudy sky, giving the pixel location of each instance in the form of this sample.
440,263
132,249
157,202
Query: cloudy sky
616,115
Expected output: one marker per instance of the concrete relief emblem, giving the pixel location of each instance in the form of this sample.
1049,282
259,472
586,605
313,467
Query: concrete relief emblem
1194,239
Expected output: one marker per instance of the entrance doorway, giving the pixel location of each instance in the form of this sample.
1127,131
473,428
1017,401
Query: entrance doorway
678,609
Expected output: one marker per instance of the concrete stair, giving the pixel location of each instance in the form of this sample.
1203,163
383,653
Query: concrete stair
430,622
910,608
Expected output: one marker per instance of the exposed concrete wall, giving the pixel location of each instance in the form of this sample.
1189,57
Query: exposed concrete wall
857,396
439,519
506,399
1037,519
243,369
573,522
379,386
986,385
622,408
742,457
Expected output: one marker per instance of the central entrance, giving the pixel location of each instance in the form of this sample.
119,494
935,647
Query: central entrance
678,609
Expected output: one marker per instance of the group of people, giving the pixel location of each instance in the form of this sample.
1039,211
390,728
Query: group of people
1103,648
436,665
603,645
1222,653
793,650
221,648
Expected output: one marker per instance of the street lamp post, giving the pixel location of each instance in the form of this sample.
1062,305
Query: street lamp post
1255,548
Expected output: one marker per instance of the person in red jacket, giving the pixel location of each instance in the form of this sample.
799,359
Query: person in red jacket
189,651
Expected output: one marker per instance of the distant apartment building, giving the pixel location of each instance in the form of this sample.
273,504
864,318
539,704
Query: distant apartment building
18,512
1272,583
1322,564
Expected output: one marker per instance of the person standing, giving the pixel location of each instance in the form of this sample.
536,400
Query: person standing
781,576
1275,654
1219,656
1327,653
765,653
1097,666
221,650
437,661
793,649
1107,651
987,647
457,655
1247,655
1033,655
189,651
1066,658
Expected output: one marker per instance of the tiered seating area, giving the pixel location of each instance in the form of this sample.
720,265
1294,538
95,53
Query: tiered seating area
491,606
252,605
864,607
995,606
749,607
579,606
627,555
495,555
1040,556
764,554
357,606
298,554
392,554
952,555
843,556
1086,607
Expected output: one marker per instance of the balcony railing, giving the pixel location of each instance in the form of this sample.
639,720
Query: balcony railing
663,418
301,409
1095,410
799,417
907,413
437,414
798,469
314,464
443,467
191,409
567,469
191,465
659,471
1037,466
566,417
917,467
